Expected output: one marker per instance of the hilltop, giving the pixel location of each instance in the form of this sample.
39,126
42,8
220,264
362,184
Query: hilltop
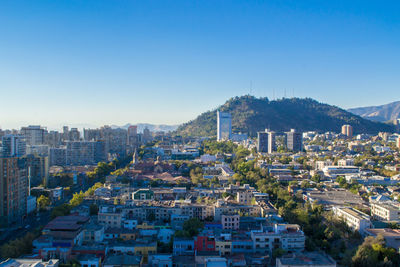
251,114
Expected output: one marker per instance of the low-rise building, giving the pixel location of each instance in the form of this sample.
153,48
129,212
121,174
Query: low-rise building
385,212
355,219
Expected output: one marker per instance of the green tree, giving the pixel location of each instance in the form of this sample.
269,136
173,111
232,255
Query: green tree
373,252
61,210
43,202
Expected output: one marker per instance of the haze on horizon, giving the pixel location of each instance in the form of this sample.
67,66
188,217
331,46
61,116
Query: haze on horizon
102,62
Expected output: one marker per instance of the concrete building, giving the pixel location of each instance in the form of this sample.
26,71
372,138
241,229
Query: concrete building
294,141
110,217
224,126
345,162
334,171
85,152
347,130
355,219
271,142
385,212
57,156
230,221
244,197
13,189
13,145
262,142
38,169
133,140
34,134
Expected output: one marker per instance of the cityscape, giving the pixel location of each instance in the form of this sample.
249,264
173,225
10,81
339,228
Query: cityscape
116,197
199,133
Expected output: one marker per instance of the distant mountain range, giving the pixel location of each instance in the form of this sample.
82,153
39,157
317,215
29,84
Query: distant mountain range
251,114
382,113
151,127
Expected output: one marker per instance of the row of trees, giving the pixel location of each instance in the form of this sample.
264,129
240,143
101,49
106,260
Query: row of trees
19,246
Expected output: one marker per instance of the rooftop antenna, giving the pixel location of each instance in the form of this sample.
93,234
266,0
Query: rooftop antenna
251,86
293,92
273,94
284,93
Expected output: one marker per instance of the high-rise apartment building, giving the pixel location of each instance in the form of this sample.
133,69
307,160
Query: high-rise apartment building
38,169
65,133
398,142
266,141
262,142
224,126
53,138
271,142
146,135
74,134
13,189
85,152
13,145
294,140
57,156
34,134
132,136
91,134
347,130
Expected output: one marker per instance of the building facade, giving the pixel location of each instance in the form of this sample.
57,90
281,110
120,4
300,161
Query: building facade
224,126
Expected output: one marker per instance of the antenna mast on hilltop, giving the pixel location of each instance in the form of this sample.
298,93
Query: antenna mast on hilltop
251,87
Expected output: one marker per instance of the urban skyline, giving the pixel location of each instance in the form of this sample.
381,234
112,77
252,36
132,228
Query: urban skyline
270,134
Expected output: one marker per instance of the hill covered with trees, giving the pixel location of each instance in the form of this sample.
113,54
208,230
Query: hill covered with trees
251,114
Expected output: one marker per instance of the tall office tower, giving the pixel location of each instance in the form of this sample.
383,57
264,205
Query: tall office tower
294,140
74,134
13,145
224,126
34,134
262,142
132,136
13,189
347,130
65,133
271,142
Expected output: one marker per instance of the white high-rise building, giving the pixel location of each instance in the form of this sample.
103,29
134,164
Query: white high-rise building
224,126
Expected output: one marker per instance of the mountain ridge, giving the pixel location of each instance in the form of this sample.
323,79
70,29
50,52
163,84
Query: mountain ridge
251,114
381,113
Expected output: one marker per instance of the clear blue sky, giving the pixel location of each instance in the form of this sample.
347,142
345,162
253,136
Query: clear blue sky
113,62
